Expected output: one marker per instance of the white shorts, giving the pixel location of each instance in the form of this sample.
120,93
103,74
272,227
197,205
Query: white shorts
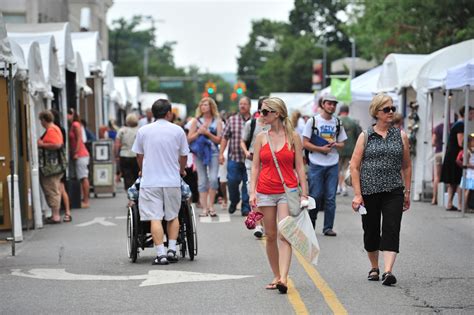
264,200
82,170
155,203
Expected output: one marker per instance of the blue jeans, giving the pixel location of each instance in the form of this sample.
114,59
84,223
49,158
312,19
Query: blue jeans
323,185
236,174
208,179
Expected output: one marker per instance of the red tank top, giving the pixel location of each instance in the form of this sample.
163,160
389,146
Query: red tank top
269,181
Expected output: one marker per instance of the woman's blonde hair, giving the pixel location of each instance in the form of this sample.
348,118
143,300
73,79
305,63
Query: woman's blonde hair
294,117
277,104
377,103
213,106
131,120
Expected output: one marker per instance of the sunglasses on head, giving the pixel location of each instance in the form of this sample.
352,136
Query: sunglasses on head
387,110
265,112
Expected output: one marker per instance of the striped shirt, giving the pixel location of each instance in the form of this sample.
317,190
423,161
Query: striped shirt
233,133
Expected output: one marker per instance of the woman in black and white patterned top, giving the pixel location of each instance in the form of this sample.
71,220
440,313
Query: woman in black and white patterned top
381,178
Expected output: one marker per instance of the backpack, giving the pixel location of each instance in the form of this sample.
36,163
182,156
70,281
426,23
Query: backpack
313,128
253,124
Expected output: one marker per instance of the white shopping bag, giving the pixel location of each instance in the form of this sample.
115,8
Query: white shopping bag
299,232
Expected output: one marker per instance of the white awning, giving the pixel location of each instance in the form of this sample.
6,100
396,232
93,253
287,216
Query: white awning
49,57
397,69
80,77
6,55
302,102
122,91
147,99
461,76
62,37
87,44
134,89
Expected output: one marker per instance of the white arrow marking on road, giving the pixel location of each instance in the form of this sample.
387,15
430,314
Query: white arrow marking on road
154,277
99,220
221,218
121,218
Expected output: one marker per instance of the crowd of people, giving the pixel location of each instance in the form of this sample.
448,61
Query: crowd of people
244,161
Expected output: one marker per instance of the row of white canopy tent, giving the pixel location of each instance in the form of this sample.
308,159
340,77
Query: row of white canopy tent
423,79
42,55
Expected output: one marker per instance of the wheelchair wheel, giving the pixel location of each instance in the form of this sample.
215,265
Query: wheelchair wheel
191,236
132,233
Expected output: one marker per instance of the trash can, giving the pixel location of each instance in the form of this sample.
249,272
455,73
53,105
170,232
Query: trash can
103,167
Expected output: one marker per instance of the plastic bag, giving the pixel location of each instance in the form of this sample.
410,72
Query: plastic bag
299,232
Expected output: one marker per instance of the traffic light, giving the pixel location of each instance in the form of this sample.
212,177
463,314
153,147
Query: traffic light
233,96
210,87
240,88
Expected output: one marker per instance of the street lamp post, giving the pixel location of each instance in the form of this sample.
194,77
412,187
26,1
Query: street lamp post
325,48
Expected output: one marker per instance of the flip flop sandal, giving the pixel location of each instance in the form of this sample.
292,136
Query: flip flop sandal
271,286
213,213
203,214
67,218
453,208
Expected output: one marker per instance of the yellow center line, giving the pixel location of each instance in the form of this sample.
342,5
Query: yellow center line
293,295
329,296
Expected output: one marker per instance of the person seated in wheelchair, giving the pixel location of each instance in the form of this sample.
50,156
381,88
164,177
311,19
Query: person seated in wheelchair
162,150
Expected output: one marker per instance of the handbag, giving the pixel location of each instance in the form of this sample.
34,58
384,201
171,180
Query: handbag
52,162
347,175
252,218
292,194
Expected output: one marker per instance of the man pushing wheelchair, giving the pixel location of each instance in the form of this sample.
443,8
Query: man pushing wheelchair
162,151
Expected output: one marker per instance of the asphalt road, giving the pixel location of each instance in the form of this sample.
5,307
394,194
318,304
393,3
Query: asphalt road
82,267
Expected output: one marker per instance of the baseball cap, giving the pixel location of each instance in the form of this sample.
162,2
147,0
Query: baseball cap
330,98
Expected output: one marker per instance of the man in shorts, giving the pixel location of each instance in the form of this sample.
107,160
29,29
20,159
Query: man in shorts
162,151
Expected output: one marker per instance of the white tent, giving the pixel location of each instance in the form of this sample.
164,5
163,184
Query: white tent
62,37
112,97
460,76
431,75
122,90
88,45
396,69
303,102
48,56
6,55
81,76
147,99
134,89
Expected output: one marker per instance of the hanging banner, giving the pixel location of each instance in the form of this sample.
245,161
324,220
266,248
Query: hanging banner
341,89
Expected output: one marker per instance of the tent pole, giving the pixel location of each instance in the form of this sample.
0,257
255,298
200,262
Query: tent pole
12,126
465,161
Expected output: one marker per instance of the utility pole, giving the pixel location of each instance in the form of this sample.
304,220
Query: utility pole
145,69
353,60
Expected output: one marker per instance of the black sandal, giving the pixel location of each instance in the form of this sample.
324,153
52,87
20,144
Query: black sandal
388,278
373,274
160,260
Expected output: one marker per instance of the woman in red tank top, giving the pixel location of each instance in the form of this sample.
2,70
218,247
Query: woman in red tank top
266,189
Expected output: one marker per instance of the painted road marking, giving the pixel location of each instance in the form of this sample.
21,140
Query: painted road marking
328,294
221,218
154,277
293,295
99,220
121,217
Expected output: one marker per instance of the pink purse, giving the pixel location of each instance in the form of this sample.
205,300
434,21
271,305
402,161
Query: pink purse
252,218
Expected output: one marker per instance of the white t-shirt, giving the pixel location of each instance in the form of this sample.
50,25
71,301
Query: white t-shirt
327,131
161,143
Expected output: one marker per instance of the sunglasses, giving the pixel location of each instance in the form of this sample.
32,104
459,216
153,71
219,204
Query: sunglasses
265,112
387,110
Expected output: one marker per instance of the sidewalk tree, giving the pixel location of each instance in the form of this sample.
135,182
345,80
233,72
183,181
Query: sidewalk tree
413,27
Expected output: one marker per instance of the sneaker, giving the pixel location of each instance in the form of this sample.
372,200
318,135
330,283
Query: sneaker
171,256
232,208
330,233
160,260
258,233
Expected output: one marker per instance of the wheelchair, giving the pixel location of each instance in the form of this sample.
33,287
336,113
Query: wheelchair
139,236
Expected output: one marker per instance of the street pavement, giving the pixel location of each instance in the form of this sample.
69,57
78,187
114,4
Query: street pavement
82,267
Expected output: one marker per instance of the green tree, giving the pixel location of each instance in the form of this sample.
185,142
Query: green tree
405,26
263,42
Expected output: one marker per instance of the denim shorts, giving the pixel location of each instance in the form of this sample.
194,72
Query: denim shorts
272,200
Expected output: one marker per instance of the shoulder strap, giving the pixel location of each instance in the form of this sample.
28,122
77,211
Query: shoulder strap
275,158
314,126
338,127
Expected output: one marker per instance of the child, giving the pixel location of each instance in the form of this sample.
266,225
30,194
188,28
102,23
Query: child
467,181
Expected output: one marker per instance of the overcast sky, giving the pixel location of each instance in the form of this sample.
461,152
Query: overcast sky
207,33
